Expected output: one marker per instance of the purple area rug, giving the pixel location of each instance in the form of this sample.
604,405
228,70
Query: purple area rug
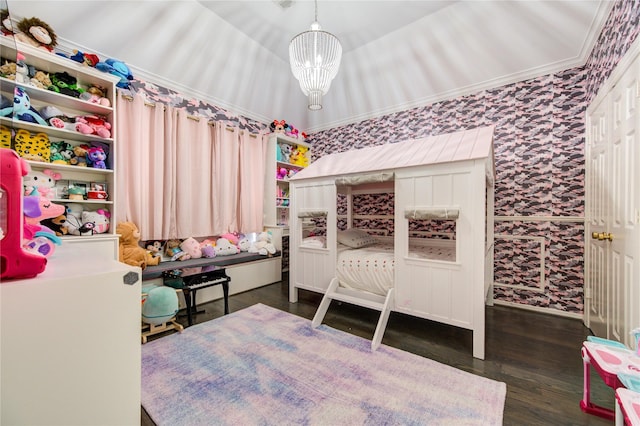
263,366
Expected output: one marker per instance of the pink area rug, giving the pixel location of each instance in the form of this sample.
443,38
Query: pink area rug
263,366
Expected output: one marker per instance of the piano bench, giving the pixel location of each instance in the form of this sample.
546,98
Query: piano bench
191,279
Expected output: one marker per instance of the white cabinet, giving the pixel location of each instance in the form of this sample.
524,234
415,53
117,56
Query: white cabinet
276,192
70,345
101,180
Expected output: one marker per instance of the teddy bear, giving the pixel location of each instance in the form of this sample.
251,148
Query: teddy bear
130,251
192,247
37,33
80,155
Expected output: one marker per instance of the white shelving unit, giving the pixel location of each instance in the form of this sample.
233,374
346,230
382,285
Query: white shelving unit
105,244
276,205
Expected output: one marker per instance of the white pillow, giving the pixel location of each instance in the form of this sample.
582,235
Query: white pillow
314,242
355,238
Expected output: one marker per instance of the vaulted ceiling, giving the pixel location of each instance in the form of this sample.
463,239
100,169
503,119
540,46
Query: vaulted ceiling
397,54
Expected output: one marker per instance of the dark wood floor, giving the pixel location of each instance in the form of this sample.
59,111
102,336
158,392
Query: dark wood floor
536,355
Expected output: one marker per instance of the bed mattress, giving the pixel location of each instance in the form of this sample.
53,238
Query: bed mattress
372,268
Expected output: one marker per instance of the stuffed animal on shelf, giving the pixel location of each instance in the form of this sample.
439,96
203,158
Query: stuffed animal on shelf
96,95
6,26
224,247
207,247
37,33
41,183
40,80
89,59
34,147
73,220
173,251
279,126
302,157
263,245
61,152
244,243
154,248
22,109
98,219
130,252
98,125
97,157
117,68
37,237
286,152
56,224
65,83
5,137
191,247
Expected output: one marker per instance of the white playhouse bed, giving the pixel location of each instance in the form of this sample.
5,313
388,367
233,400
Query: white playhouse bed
447,178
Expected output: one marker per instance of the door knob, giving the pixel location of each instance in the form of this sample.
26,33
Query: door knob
608,236
594,235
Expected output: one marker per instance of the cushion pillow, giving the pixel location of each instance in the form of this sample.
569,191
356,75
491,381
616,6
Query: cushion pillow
355,238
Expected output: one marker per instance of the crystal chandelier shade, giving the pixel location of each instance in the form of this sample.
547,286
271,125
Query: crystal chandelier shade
314,56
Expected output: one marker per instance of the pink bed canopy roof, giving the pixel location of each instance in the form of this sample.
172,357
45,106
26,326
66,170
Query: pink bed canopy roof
458,146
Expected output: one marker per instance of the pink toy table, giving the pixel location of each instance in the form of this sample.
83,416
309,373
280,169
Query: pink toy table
627,407
608,361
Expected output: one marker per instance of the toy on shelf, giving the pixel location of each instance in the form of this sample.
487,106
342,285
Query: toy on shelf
279,126
263,245
117,68
37,33
191,247
66,84
32,146
41,183
22,109
37,237
16,261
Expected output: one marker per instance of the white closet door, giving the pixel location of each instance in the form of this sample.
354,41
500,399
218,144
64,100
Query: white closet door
612,253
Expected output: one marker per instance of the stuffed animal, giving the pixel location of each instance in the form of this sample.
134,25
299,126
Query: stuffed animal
286,152
89,59
5,137
96,156
98,125
22,109
80,155
154,248
6,26
37,33
233,237
117,68
40,80
207,247
34,147
65,83
244,243
99,219
8,70
41,183
174,252
61,152
224,247
73,220
302,157
96,95
279,126
56,224
56,118
130,252
192,247
37,237
159,305
263,245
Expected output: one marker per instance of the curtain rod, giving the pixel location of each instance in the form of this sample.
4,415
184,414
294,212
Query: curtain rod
190,117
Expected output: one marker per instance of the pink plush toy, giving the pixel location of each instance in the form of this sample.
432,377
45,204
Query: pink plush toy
98,126
232,237
192,247
208,248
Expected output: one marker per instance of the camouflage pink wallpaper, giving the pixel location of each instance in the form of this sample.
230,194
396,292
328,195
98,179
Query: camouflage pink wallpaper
539,152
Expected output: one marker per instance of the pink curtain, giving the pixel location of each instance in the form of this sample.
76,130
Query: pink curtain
179,176
253,157
145,181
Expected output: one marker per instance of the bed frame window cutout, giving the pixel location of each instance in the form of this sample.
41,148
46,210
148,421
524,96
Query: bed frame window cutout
432,233
313,229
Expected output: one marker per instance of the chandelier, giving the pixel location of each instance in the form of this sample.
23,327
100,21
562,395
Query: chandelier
314,56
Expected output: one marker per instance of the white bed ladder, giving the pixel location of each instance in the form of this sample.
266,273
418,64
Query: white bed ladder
368,300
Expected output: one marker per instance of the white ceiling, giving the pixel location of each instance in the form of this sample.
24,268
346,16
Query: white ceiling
397,54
